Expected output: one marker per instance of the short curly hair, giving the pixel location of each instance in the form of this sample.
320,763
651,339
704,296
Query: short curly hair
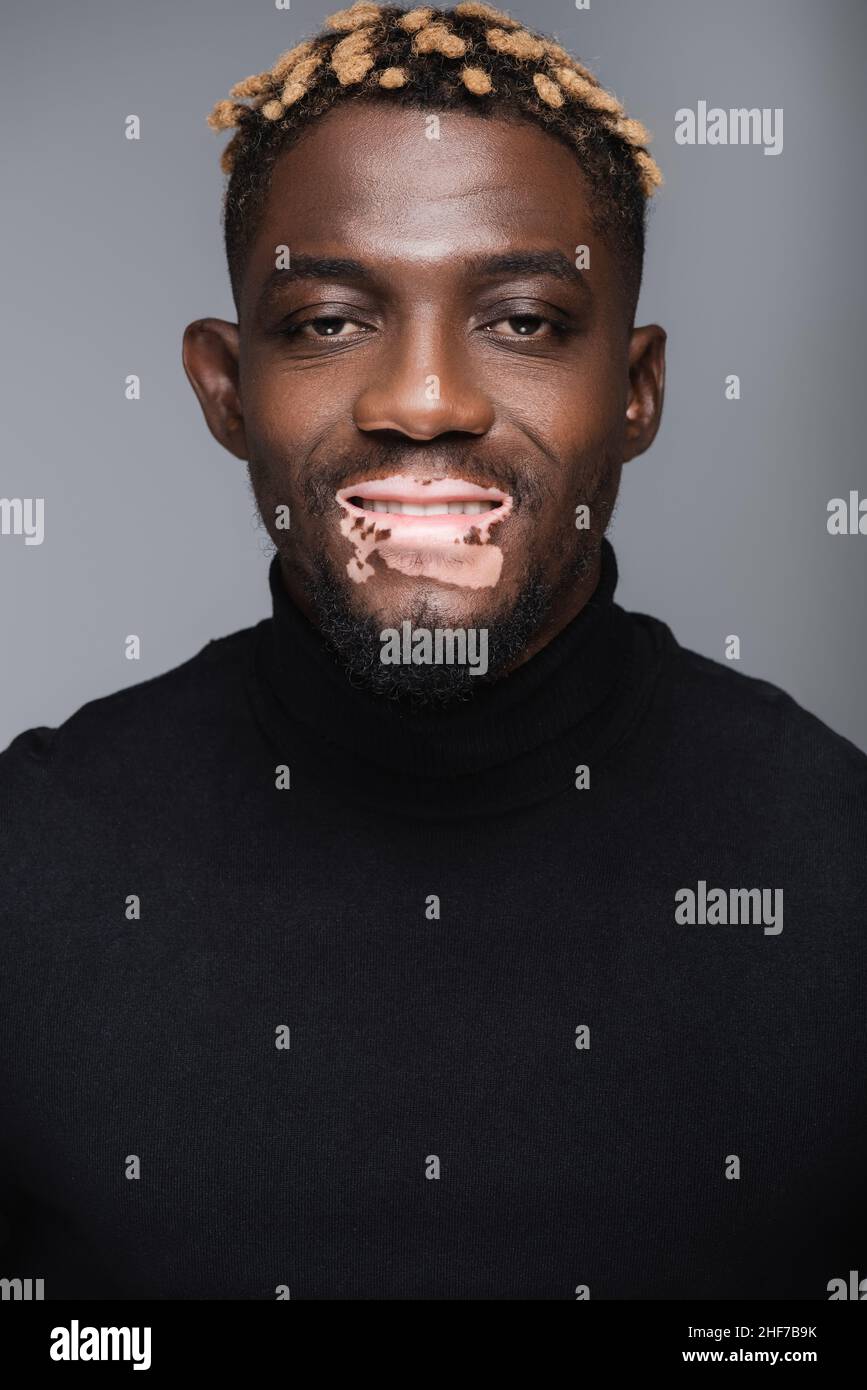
473,58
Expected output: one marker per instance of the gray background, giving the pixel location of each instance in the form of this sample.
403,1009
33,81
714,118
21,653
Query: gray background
111,247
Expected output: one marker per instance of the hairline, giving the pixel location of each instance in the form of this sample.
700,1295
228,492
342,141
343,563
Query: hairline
631,260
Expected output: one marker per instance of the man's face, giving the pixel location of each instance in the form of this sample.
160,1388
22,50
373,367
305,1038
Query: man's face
426,380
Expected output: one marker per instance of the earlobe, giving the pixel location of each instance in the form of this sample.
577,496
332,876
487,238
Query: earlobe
646,389
210,356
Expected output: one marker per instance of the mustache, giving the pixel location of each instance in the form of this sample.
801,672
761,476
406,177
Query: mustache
382,460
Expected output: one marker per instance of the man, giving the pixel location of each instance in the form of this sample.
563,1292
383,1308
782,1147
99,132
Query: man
452,933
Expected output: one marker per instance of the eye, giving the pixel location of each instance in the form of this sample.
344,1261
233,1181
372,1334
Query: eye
525,326
328,326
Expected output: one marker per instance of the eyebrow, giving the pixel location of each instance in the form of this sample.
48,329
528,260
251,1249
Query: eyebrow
305,267
552,263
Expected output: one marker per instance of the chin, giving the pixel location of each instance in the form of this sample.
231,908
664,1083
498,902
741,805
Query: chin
425,604
390,595
397,611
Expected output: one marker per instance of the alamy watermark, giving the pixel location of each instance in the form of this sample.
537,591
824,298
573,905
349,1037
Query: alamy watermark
440,646
22,1290
730,907
739,125
855,1288
77,1343
23,516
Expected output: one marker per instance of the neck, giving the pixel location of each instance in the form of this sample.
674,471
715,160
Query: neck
562,613
515,741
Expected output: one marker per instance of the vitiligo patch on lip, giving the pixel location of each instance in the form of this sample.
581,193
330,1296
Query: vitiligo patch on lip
451,546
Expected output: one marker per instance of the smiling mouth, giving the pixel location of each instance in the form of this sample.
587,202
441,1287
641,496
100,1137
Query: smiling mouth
434,502
395,508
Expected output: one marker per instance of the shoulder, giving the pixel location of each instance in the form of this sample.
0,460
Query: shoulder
123,796
152,720
740,730
753,709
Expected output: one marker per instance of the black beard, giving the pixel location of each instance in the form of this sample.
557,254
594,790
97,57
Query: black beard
356,639
356,642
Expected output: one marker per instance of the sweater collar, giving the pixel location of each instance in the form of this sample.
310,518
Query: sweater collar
515,741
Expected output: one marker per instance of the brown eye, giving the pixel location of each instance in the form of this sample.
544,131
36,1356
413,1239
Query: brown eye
524,326
323,327
330,327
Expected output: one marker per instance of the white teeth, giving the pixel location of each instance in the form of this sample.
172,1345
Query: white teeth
427,508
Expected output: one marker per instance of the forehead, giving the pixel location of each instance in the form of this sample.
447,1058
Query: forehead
368,179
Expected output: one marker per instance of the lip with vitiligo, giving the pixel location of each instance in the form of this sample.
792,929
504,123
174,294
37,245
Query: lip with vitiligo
447,504
401,520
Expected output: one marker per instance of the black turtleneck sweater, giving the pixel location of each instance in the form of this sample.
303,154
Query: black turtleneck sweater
425,1024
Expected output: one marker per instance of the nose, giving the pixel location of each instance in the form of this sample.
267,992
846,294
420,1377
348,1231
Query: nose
424,386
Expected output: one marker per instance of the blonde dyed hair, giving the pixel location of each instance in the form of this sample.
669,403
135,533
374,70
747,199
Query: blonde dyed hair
470,55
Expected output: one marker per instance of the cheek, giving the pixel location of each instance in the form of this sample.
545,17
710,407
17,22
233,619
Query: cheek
281,430
288,406
275,424
577,411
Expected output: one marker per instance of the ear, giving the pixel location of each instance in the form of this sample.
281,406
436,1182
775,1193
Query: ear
210,356
646,389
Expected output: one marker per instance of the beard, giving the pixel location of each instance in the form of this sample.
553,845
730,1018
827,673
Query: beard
355,638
